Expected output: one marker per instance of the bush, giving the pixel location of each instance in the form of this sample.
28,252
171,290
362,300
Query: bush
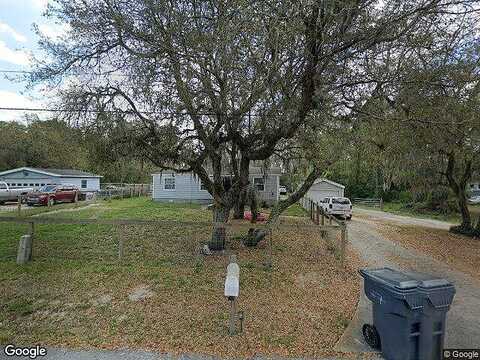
405,197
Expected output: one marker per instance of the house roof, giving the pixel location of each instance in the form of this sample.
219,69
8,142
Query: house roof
253,170
329,182
53,172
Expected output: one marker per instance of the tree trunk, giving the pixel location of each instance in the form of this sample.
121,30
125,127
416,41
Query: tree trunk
296,196
463,206
252,197
239,207
477,228
459,189
219,234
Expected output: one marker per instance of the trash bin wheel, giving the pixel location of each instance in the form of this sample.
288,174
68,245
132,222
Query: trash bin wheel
370,334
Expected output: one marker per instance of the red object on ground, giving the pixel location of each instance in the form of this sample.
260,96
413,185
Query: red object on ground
247,215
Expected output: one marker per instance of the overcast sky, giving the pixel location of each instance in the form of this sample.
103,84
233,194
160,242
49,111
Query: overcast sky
17,42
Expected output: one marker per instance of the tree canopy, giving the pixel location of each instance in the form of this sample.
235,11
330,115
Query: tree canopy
207,85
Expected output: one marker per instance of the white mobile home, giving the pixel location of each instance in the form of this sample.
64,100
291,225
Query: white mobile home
323,188
37,177
187,187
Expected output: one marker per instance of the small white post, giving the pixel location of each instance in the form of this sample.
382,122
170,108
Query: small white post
232,289
24,253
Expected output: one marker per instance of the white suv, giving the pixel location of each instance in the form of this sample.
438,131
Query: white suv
339,206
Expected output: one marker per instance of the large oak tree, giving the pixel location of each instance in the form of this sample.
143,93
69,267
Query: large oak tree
209,84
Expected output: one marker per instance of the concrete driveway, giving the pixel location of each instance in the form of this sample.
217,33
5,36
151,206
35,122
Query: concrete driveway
463,320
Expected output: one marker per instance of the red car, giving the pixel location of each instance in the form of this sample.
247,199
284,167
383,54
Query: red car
53,194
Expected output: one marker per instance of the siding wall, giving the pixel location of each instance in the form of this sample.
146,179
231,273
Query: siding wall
187,189
93,184
324,189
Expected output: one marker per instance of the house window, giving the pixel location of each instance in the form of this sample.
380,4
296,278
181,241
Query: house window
169,183
259,183
84,184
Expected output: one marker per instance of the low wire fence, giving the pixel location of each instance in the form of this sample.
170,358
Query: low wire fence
122,190
333,230
127,240
373,202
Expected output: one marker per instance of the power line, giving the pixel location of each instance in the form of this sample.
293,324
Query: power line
165,113
73,74
95,111
16,71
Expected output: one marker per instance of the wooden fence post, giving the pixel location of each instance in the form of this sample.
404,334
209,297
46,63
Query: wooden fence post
381,204
19,205
343,244
31,232
317,220
24,251
120,243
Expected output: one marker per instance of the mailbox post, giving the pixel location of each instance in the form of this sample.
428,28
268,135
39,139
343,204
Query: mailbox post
232,289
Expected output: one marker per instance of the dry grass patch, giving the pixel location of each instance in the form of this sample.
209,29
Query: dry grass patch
165,296
459,252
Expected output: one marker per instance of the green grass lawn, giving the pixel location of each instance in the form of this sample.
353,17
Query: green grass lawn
75,292
398,208
295,210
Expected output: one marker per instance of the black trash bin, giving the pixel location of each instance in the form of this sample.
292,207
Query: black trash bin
409,311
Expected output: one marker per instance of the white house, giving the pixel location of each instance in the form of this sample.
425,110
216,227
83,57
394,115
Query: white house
187,187
323,188
37,177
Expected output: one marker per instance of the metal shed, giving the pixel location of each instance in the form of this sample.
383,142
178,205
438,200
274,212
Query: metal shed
323,188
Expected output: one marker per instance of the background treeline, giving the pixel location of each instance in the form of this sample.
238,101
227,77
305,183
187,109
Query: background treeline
56,144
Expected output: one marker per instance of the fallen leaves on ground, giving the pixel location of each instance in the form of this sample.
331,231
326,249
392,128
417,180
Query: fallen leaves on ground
457,251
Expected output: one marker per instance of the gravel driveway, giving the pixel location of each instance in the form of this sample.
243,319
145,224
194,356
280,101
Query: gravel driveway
463,320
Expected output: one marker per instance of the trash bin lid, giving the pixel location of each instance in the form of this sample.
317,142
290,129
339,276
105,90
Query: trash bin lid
405,280
391,278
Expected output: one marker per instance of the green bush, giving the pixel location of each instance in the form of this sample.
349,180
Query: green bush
405,197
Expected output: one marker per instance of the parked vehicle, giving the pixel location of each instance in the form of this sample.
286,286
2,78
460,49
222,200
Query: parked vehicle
7,193
283,190
337,206
474,200
53,194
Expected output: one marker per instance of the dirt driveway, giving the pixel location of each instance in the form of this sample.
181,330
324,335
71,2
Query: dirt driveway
463,320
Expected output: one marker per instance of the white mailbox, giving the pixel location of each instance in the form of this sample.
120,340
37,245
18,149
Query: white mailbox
232,290
232,286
